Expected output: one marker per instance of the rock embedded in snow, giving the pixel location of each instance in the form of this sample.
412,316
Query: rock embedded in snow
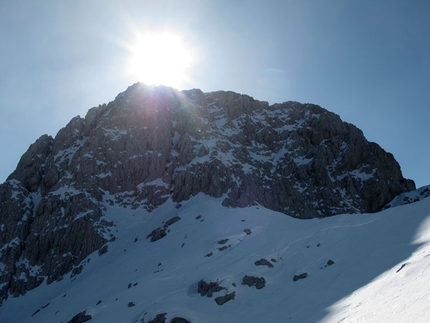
207,289
157,234
223,241
221,300
263,262
247,231
300,276
258,282
179,320
172,220
159,318
80,318
161,232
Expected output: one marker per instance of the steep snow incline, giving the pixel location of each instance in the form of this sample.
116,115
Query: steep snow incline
372,267
400,294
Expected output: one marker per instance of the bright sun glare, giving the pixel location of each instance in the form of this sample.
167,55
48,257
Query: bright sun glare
161,58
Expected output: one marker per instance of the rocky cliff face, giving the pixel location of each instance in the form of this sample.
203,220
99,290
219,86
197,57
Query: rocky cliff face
154,144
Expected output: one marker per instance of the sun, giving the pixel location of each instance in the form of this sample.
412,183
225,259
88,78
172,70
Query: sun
161,58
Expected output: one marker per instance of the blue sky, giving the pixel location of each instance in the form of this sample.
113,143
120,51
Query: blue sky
366,60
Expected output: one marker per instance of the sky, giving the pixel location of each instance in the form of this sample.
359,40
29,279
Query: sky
367,61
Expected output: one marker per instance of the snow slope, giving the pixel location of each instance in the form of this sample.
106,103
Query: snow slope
381,269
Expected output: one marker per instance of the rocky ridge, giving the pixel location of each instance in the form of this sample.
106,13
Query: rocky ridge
152,144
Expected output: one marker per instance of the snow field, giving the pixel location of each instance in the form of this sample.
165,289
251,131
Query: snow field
137,279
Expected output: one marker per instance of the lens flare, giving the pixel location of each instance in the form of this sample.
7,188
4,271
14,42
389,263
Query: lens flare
161,59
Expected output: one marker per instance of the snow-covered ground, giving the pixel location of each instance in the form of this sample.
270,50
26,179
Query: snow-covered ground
379,268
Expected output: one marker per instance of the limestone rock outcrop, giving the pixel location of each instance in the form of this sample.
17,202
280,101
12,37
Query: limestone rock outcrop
152,144
45,238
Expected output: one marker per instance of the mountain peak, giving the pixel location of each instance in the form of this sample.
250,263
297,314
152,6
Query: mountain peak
152,145
284,156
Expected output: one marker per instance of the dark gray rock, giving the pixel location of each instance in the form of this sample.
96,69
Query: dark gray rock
80,318
172,220
179,320
157,234
401,267
263,262
223,241
207,289
53,234
221,300
161,232
159,318
300,276
103,250
258,282
30,171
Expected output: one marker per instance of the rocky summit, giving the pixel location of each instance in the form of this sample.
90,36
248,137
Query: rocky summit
154,144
